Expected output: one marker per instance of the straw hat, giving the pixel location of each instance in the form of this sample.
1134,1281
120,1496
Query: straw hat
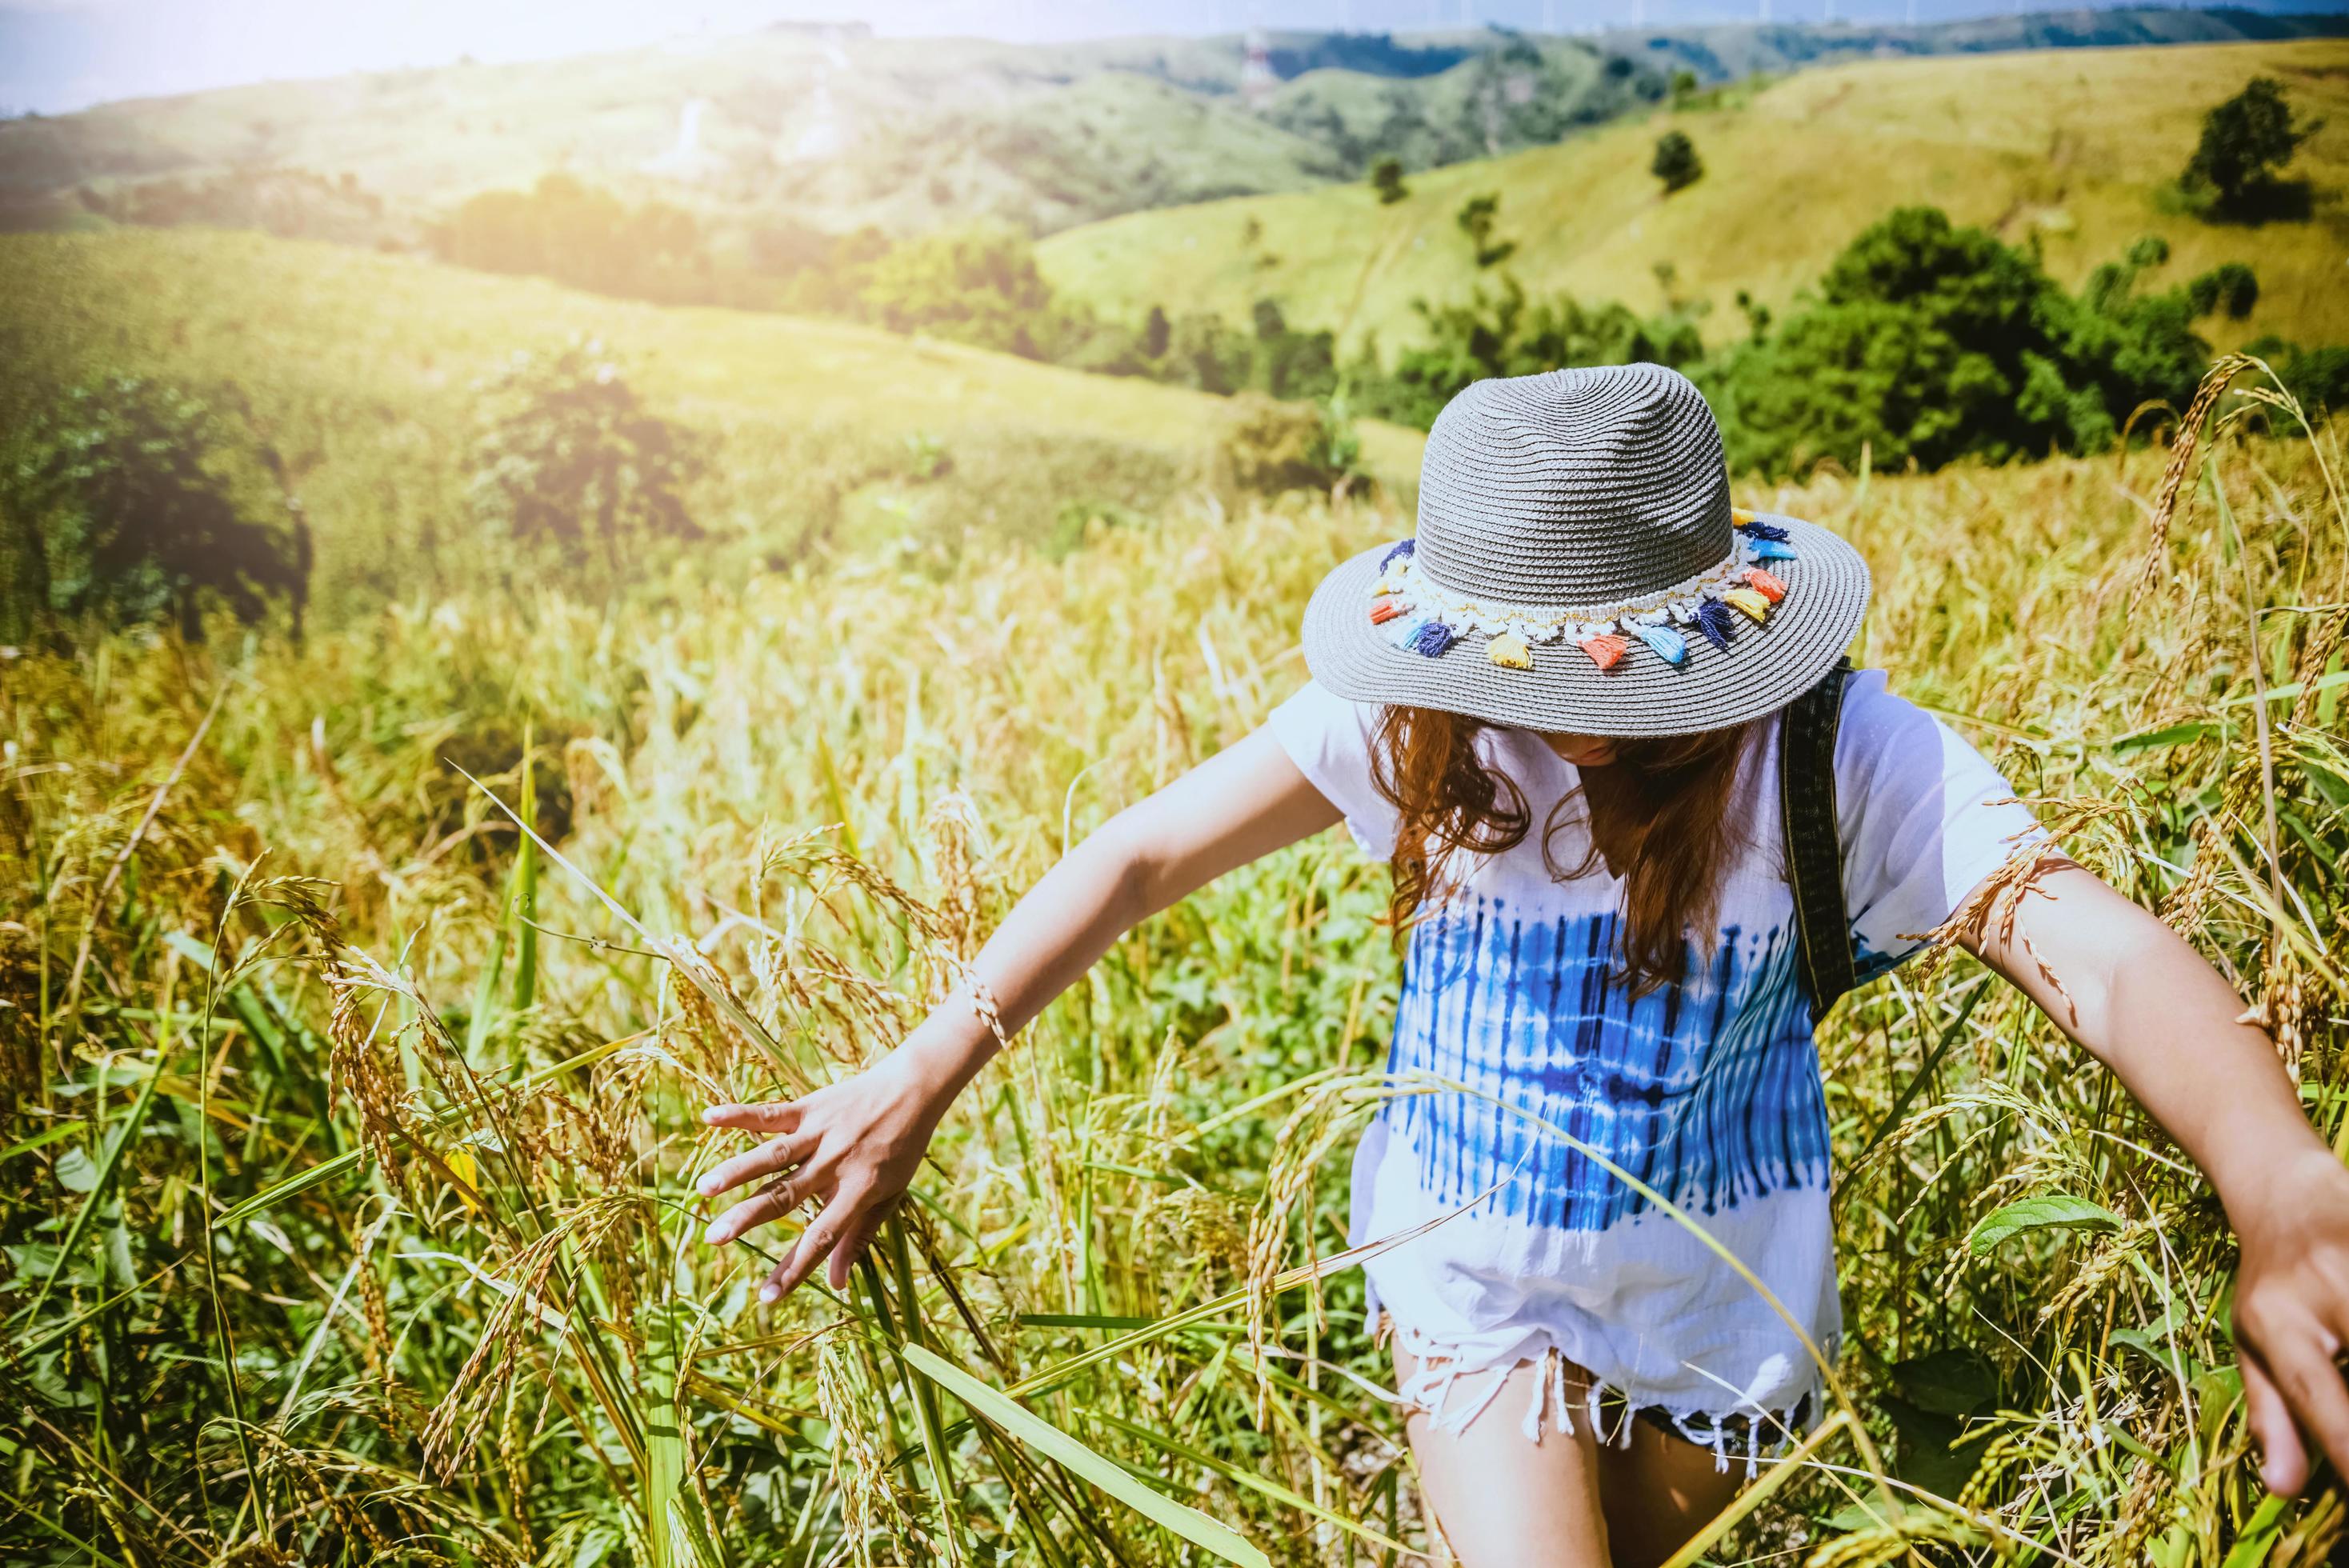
1579,569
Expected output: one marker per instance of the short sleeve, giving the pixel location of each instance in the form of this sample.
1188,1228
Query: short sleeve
1924,818
1329,739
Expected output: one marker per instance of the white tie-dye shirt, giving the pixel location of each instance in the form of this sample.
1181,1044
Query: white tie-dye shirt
1708,1089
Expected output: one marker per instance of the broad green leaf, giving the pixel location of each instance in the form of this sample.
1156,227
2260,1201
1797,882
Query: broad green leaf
2048,1210
76,1172
1074,1456
2167,735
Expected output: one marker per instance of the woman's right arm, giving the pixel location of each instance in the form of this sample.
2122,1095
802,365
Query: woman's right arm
856,1144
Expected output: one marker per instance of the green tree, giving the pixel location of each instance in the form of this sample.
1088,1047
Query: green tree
1684,85
1927,342
563,228
2246,142
1157,332
1271,446
570,457
1478,218
1676,162
1507,333
1290,364
978,285
115,506
1386,179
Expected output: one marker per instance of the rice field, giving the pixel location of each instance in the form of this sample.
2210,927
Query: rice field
358,998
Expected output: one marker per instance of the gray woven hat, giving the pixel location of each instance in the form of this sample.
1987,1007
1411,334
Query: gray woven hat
1579,569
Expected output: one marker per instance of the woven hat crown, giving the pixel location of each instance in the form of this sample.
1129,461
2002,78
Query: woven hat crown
1574,486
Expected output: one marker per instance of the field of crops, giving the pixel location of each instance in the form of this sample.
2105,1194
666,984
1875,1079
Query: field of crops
351,1131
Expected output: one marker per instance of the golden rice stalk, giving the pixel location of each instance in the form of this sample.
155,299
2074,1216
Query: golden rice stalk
2225,368
869,1503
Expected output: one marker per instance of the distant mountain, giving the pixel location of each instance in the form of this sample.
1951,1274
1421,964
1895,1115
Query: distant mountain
830,126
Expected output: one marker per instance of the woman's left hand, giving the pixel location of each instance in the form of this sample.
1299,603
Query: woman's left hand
2292,1317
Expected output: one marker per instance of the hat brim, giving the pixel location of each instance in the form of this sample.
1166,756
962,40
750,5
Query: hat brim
1764,668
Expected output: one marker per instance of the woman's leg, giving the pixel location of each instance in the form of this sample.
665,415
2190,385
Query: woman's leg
1502,1500
1658,1491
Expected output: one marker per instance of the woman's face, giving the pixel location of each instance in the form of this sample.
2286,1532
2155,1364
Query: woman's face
1580,750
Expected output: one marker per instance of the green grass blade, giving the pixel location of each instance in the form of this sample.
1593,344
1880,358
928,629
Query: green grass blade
1183,1521
109,1162
525,885
1251,1479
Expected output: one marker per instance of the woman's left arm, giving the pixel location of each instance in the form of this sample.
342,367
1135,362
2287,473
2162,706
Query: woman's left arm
2147,1004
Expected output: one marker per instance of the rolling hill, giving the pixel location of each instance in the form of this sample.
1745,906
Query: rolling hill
363,371
830,126
2075,150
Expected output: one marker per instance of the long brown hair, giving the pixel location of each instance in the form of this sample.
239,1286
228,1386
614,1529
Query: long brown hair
1659,819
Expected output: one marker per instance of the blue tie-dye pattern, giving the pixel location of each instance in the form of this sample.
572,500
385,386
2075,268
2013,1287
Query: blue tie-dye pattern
1707,1090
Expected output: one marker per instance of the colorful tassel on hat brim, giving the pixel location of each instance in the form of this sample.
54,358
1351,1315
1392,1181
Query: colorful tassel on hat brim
1606,650
1666,644
1403,630
1402,609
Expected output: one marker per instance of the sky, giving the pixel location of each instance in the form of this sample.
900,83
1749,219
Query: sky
61,54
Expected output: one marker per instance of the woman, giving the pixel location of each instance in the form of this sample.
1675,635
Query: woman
1560,714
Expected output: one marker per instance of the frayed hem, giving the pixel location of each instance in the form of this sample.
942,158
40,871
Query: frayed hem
1453,1392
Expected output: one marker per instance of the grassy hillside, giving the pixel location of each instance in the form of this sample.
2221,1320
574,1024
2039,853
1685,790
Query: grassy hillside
363,368
2075,148
830,126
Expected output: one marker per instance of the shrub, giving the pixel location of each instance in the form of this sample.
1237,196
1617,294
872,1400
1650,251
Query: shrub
978,285
572,232
570,457
1290,364
2318,377
1676,162
1927,342
1505,333
114,507
1386,179
1271,446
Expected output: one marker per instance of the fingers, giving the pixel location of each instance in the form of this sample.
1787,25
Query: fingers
854,1240
775,1200
777,1116
842,1215
2284,1462
2297,1357
771,1158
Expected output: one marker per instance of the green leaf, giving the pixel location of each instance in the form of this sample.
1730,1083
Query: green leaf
76,1172
2048,1210
1041,1435
2167,735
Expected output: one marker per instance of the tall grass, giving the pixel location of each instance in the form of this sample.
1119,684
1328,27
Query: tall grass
348,1208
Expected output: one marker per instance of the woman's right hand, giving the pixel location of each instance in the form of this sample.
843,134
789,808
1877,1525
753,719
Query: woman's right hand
854,1146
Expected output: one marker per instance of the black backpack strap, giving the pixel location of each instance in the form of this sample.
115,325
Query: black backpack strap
1806,805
